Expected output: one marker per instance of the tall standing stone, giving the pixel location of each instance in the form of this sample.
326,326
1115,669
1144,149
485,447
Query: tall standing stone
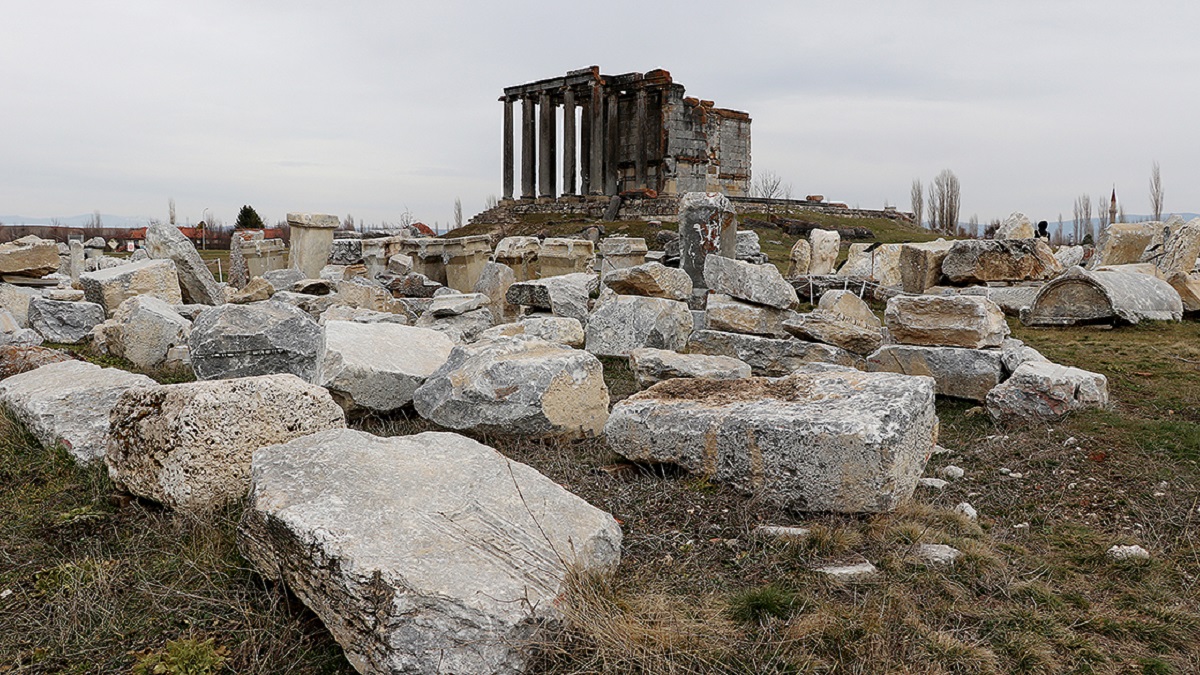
312,239
165,242
76,260
825,245
707,225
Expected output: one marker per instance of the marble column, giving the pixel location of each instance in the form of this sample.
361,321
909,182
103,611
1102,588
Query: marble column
596,106
508,149
639,139
546,148
611,146
568,184
528,150
585,149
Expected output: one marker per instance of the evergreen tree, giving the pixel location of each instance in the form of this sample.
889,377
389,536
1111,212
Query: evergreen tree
248,219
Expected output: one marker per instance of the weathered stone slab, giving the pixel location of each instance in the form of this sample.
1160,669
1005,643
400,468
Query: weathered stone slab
759,284
456,554
1188,287
859,262
283,280
311,241
18,358
829,328
1014,353
652,280
376,367
520,254
560,329
768,357
1040,390
800,258
16,300
29,258
651,366
262,338
958,372
825,246
1016,226
1069,256
832,440
68,403
847,306
707,226
165,242
188,445
982,260
623,323
1180,250
517,386
459,328
494,281
454,304
1103,296
255,290
110,287
948,321
727,314
559,256
144,331
1122,243
564,295
64,322
621,252
920,264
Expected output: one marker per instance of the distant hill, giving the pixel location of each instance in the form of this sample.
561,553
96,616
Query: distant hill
106,220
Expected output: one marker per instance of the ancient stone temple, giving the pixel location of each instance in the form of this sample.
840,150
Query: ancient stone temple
622,133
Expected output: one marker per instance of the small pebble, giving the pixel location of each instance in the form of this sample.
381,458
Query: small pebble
1016,474
951,472
1134,552
1070,441
849,572
937,554
967,510
1005,471
935,483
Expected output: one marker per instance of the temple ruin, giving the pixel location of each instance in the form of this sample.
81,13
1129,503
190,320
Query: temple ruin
637,132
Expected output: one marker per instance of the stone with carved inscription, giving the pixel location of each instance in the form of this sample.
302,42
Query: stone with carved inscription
260,338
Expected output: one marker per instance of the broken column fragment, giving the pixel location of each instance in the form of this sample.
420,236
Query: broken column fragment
707,226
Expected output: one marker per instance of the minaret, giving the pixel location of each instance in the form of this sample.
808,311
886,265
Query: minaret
1112,207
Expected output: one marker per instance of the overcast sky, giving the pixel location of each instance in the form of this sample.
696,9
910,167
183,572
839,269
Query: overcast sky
374,108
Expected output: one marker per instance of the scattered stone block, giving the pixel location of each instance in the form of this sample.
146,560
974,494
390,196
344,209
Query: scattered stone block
462,574
559,329
1040,390
960,373
759,284
255,290
1069,256
459,328
1093,296
621,252
68,403
144,330
949,321
18,358
64,322
564,295
830,328
848,307
1014,352
110,287
376,367
559,256
768,357
832,439
651,280
283,280
262,338
1122,243
859,262
977,261
165,242
728,314
494,282
920,264
800,258
651,366
854,572
28,257
623,323
780,532
520,254
16,299
454,304
1016,226
936,555
311,241
1180,250
188,445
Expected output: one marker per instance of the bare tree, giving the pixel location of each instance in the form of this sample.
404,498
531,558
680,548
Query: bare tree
457,212
944,202
1156,192
1081,225
1121,213
973,226
1060,226
768,185
917,199
490,202
171,210
1102,213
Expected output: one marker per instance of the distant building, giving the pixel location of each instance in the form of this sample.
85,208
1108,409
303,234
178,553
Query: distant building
637,133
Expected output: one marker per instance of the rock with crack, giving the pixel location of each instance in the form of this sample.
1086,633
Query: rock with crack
769,357
64,322
560,329
110,287
261,338
68,403
920,264
1041,390
960,373
144,330
29,257
651,366
652,280
165,242
429,553
949,321
830,328
623,323
758,284
736,316
849,307
16,359
517,386
188,445
460,328
975,261
376,367
1016,226
563,295
820,439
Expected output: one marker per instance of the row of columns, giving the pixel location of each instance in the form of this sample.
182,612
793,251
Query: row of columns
598,144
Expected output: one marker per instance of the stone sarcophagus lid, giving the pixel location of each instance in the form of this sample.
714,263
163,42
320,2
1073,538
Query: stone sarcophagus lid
1103,296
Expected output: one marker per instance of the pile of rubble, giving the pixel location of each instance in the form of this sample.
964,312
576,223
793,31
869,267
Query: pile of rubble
433,551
